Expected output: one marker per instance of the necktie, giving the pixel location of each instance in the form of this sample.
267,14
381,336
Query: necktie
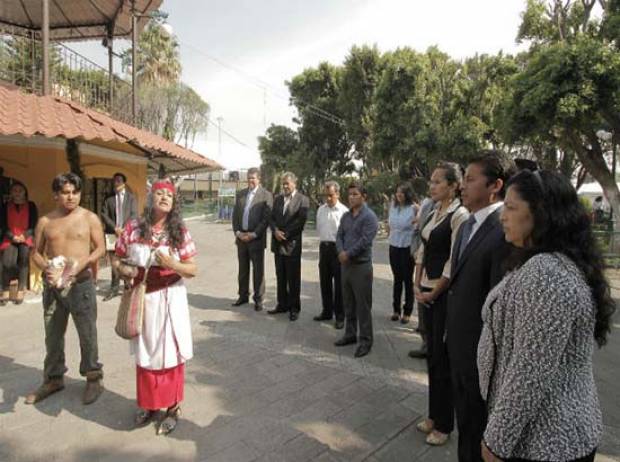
468,227
246,211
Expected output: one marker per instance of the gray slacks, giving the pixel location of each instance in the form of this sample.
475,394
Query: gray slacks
255,255
357,300
81,304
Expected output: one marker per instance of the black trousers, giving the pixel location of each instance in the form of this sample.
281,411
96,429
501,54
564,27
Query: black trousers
247,254
402,269
116,279
588,458
331,281
440,401
288,275
471,415
357,299
15,258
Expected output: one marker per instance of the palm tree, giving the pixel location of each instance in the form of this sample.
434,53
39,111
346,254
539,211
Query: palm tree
158,57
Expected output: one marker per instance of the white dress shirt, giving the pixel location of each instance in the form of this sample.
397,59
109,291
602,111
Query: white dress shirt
482,215
246,211
328,220
287,200
120,199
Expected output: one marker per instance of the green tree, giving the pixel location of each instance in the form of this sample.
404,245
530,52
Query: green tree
280,151
399,113
358,80
566,94
158,57
174,111
322,133
570,87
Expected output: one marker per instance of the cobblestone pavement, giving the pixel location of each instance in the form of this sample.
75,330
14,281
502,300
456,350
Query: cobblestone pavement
259,387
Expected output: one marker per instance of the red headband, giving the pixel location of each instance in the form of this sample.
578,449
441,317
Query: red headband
163,185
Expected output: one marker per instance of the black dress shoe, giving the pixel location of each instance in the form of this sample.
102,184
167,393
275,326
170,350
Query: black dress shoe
277,310
110,295
322,317
362,350
339,325
239,302
258,307
418,354
293,315
344,341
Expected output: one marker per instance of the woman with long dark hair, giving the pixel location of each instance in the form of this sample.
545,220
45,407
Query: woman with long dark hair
160,240
433,266
541,324
400,228
18,221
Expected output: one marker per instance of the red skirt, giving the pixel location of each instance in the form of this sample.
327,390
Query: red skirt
161,388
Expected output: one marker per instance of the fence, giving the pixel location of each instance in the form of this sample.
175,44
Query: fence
72,76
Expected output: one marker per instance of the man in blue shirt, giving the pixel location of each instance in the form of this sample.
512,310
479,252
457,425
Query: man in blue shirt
357,230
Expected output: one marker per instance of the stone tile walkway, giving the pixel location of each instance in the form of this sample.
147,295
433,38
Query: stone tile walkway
259,387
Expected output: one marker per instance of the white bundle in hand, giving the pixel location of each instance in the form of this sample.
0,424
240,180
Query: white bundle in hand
62,269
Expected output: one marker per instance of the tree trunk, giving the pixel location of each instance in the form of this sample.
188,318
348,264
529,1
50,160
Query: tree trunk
595,165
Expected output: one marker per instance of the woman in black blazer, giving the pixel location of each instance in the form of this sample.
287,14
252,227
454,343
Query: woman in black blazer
431,281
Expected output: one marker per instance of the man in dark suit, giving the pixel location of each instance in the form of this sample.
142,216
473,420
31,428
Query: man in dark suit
478,253
117,210
288,218
250,221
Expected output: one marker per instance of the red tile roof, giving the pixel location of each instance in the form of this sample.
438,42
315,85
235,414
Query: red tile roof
28,115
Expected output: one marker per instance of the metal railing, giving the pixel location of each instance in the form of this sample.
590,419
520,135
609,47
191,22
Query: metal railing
72,76
609,243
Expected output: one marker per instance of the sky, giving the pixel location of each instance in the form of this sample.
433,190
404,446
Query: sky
237,54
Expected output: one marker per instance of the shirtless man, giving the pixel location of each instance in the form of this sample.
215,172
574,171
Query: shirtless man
70,231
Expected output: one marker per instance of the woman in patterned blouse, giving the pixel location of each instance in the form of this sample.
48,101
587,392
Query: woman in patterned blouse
541,323
165,344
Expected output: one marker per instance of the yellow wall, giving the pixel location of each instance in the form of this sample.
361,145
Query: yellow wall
36,166
96,167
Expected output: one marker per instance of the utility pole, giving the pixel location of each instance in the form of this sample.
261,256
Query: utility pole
45,35
134,63
219,156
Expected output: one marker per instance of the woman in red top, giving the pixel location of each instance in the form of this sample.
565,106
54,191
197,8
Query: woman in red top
17,221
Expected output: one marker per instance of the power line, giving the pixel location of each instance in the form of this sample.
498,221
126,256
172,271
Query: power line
265,86
231,136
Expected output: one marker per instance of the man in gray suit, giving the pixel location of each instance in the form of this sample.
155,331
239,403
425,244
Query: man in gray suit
118,209
250,222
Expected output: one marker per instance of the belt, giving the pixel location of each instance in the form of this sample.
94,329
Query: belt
329,243
84,276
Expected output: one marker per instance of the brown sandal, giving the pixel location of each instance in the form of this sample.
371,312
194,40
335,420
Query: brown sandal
169,423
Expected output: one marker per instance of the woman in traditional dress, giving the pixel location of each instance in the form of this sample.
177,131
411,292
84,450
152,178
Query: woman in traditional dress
165,344
18,220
